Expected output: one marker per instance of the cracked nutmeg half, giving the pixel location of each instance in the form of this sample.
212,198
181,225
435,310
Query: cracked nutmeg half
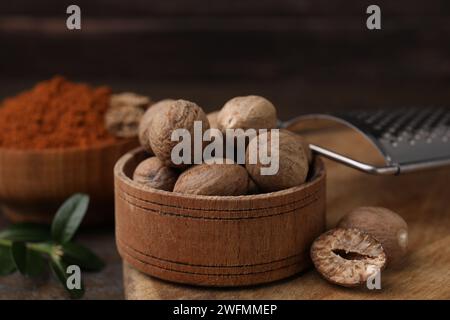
347,257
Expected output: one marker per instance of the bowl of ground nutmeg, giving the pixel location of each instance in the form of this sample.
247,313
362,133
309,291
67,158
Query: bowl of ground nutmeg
54,143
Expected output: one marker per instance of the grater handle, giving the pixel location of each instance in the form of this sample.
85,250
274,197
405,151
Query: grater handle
364,167
384,171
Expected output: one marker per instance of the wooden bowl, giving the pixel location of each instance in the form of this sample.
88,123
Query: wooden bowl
34,183
217,241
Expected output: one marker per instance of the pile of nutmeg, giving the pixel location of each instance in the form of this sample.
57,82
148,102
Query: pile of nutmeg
159,171
363,243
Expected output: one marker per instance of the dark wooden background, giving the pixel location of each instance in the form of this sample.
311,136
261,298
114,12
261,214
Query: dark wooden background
305,55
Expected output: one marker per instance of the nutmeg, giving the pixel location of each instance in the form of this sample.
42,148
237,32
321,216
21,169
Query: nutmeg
249,112
178,114
292,162
129,99
347,257
308,151
309,154
213,180
252,187
123,121
212,118
153,173
144,124
384,225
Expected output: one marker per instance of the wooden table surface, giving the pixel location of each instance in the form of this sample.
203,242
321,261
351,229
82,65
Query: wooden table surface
421,198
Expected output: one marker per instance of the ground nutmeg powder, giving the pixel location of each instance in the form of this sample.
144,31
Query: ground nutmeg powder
55,113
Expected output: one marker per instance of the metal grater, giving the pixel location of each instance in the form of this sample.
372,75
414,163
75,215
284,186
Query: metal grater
410,139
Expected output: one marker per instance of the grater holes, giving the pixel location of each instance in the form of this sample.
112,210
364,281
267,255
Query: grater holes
408,126
406,135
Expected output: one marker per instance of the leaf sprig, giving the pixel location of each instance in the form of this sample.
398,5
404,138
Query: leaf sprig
27,247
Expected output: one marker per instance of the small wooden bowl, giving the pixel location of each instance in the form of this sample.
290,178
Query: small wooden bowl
217,241
34,183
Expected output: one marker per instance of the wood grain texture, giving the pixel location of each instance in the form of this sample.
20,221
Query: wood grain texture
260,40
215,240
228,8
303,55
33,184
420,198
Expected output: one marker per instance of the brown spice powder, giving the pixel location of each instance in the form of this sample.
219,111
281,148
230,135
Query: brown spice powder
55,114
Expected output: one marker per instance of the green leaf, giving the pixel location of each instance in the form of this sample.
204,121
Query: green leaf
35,264
83,257
59,269
7,265
26,232
19,255
69,217
29,262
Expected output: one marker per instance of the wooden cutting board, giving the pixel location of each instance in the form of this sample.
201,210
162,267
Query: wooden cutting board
422,199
